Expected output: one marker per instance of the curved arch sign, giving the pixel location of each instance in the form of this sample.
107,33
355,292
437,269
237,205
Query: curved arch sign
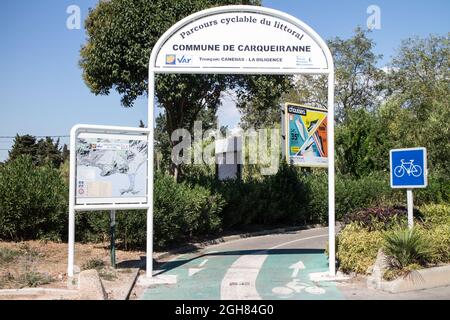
237,38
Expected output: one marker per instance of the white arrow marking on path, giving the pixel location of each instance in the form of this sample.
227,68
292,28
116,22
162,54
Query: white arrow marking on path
193,271
297,267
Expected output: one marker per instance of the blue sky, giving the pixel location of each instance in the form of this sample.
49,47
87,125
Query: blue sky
42,92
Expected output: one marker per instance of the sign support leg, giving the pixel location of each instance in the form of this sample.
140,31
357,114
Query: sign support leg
331,180
71,242
71,238
113,231
150,175
409,198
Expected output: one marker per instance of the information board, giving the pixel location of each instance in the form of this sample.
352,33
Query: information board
111,168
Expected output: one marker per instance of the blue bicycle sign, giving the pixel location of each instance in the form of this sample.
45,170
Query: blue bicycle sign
408,168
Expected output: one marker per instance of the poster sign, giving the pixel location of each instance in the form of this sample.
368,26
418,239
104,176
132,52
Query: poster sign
408,168
306,135
218,41
111,168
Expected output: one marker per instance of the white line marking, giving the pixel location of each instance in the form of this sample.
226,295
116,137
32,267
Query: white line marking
192,271
265,235
203,263
297,240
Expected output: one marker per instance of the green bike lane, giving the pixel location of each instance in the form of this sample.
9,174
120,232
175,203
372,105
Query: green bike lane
236,271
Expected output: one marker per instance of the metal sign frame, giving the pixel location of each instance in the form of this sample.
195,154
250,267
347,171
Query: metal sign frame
73,207
329,71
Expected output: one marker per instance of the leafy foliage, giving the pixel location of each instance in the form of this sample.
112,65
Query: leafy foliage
358,80
379,218
33,201
44,151
404,247
357,248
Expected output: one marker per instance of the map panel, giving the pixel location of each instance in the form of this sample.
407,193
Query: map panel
111,168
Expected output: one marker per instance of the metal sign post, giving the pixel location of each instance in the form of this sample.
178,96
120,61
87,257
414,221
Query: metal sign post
409,170
112,221
242,40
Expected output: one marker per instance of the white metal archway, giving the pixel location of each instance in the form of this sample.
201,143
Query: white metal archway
294,27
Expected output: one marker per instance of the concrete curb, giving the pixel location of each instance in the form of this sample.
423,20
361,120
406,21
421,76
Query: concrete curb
90,286
200,245
417,280
131,286
37,291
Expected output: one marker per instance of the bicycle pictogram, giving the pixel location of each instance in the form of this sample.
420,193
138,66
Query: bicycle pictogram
409,167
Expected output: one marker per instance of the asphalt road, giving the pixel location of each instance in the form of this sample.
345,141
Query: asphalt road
268,267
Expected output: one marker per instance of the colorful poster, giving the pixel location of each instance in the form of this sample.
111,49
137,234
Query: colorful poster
306,136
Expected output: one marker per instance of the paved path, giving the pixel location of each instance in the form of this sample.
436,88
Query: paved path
266,267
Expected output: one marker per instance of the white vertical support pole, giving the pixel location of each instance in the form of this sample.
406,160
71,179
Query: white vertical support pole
409,199
150,175
331,173
71,239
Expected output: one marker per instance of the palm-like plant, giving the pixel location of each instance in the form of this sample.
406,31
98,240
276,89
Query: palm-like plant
404,247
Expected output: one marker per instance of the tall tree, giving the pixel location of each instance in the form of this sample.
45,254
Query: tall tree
418,107
25,144
44,151
259,99
358,83
121,34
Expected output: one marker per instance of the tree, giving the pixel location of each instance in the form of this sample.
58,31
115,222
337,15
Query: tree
362,144
259,100
121,34
49,152
418,108
44,151
358,83
22,145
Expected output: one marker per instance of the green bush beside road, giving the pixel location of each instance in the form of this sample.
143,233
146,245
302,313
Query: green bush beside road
34,200
428,244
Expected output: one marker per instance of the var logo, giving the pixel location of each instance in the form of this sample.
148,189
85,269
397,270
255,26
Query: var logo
184,60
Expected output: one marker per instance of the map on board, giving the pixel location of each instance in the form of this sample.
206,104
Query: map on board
306,129
111,168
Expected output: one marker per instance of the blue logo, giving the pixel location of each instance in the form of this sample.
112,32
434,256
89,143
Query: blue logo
408,168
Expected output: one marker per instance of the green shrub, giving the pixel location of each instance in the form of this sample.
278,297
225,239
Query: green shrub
437,191
183,211
435,214
94,263
33,201
350,193
439,240
357,248
404,247
278,199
